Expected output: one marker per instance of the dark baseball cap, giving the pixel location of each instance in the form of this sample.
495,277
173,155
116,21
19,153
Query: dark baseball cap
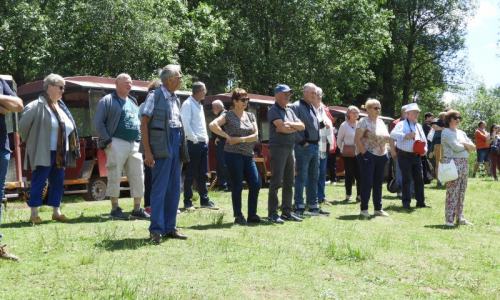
282,88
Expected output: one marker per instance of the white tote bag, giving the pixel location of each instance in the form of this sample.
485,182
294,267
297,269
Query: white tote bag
447,171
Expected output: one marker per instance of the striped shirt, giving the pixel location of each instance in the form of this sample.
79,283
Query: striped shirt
404,127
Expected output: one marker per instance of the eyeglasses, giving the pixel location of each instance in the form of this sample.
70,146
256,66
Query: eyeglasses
245,99
459,118
61,87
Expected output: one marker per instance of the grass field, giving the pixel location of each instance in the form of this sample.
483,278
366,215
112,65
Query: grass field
408,255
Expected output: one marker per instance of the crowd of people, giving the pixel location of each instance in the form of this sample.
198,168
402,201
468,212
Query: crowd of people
152,143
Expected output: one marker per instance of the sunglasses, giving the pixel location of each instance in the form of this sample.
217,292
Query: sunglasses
244,99
459,118
377,108
61,87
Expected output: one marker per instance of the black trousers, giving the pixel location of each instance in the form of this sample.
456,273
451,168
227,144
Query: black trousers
411,168
351,175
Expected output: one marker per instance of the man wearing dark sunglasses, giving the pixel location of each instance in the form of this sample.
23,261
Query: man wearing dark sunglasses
9,102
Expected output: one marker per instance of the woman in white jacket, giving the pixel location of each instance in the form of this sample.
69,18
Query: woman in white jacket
345,141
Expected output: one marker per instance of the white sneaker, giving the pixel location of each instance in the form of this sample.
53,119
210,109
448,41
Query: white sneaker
465,222
449,224
364,214
381,213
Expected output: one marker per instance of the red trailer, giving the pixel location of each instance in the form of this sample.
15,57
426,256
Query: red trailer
81,95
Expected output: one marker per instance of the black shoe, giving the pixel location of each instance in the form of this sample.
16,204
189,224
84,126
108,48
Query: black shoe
117,214
291,217
358,199
422,206
140,214
276,219
209,204
240,220
155,238
406,206
253,219
175,234
299,213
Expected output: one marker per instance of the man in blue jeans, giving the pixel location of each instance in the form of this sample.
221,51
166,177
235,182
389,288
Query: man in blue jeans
195,129
307,154
9,102
162,136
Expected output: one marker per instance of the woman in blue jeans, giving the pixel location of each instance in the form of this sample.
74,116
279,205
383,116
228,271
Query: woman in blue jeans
241,134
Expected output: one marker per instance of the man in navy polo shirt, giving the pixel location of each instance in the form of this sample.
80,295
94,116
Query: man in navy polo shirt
9,102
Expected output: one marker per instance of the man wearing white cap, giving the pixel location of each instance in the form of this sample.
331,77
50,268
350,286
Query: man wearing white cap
411,145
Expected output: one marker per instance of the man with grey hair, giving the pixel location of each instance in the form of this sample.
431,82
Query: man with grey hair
118,126
162,138
9,102
219,141
195,129
307,154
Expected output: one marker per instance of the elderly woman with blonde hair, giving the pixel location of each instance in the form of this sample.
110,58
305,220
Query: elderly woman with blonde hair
371,140
49,131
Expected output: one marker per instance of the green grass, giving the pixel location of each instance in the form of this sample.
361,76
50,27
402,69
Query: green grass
408,255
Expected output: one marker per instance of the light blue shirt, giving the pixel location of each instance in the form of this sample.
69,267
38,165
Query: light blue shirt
404,127
193,120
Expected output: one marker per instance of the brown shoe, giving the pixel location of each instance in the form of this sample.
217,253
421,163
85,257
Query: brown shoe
176,235
60,218
35,220
6,255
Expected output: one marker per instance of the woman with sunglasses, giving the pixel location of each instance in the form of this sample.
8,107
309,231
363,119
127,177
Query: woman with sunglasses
456,146
49,131
241,134
371,140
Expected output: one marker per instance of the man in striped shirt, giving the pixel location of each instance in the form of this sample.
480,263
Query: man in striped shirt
405,134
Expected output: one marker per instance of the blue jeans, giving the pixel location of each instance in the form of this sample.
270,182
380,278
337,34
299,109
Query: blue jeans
196,169
56,184
482,155
166,187
322,179
243,167
222,180
307,166
4,165
371,170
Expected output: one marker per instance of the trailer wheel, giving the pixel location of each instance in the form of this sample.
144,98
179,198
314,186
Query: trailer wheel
96,189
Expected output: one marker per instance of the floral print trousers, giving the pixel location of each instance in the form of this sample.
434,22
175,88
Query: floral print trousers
455,191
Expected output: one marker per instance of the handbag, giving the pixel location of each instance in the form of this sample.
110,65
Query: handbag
418,145
447,171
348,151
392,185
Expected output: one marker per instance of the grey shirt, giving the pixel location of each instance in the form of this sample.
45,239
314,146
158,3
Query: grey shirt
236,127
286,114
451,142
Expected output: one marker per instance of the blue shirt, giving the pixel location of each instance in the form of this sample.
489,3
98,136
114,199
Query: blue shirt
4,138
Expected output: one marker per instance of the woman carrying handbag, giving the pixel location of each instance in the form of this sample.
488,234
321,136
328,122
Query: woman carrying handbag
456,148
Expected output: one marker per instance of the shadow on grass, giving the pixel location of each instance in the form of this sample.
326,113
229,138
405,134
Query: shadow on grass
391,197
90,219
441,226
353,217
124,244
22,224
210,226
342,202
400,209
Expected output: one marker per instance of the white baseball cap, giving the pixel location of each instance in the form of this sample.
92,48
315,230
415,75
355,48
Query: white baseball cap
411,107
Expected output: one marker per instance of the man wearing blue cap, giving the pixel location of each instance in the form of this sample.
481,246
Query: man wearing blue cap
283,124
9,102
